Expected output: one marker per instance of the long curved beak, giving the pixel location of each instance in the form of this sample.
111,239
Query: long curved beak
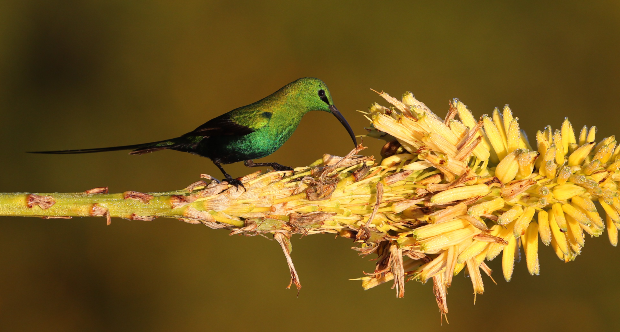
344,122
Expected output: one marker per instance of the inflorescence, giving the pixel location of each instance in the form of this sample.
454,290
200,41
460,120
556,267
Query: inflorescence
491,192
448,194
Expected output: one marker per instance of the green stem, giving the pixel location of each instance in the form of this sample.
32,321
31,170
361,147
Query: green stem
147,207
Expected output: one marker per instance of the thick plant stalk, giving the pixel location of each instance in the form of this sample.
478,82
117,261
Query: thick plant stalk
448,194
129,205
267,202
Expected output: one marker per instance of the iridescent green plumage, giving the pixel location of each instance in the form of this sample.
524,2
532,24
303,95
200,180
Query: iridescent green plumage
249,132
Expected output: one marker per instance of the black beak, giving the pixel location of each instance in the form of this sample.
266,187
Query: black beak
344,122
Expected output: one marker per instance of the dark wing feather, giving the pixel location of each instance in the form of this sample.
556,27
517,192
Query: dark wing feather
223,125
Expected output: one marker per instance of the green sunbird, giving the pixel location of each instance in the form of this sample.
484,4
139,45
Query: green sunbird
246,133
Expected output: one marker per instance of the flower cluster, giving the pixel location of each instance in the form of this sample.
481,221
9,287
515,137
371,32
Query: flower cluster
491,193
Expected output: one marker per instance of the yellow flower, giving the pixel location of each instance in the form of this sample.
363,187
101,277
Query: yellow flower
510,194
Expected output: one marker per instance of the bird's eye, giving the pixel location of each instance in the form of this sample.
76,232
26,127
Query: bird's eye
323,96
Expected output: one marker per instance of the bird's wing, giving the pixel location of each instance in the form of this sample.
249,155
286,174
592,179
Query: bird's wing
234,124
223,125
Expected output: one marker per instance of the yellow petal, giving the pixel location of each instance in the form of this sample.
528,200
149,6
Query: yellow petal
487,207
568,134
612,231
507,117
431,230
563,175
575,233
583,136
441,242
543,146
611,212
578,156
523,221
510,215
495,137
496,248
558,215
507,169
558,236
584,203
513,137
543,227
591,134
508,258
560,154
526,163
531,249
472,251
558,250
460,193
579,216
566,191
498,120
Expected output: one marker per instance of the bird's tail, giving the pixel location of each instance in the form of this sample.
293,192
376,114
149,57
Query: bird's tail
136,148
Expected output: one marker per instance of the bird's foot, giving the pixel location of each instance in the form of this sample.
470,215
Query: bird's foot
278,167
275,166
227,178
234,182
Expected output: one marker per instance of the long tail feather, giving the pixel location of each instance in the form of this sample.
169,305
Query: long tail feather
137,148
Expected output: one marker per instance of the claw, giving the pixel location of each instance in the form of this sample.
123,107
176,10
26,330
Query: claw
235,182
275,166
278,167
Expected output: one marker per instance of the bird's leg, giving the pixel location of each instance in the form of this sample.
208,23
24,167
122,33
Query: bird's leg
275,166
229,178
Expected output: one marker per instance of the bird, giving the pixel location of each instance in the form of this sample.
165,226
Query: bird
246,133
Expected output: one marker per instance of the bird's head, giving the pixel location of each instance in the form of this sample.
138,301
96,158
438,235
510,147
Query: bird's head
315,96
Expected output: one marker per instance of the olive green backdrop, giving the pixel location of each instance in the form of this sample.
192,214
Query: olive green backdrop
81,74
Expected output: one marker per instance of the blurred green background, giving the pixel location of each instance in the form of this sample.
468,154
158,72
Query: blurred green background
81,74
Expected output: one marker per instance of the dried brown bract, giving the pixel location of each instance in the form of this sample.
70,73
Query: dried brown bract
142,197
98,190
44,202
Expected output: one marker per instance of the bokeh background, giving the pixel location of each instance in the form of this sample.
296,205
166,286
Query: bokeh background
80,74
